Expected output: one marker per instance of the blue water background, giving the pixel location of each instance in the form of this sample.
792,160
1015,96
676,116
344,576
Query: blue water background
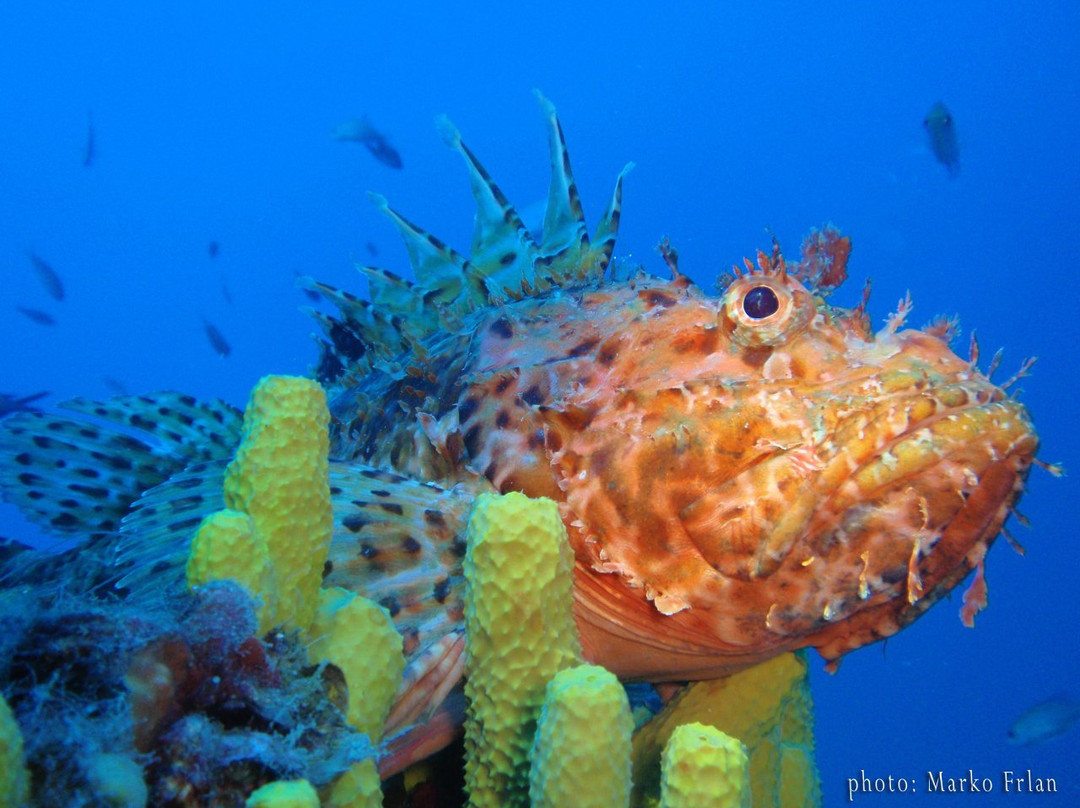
212,122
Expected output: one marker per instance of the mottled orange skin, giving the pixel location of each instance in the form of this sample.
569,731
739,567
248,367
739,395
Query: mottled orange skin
737,488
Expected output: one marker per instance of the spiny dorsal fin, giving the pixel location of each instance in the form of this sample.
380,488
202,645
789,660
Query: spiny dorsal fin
564,219
440,270
503,254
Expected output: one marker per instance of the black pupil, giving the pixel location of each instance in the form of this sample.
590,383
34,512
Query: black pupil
760,302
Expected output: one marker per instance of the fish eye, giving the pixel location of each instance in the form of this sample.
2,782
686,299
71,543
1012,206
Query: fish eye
765,310
760,302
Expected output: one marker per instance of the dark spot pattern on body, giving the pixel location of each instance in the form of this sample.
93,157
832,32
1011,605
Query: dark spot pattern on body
354,523
467,409
90,490
117,463
534,395
185,524
504,381
583,348
368,551
502,328
392,507
608,352
411,545
654,297
472,440
391,604
502,420
442,589
63,520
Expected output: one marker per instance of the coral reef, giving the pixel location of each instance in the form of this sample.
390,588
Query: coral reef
284,794
14,778
581,753
519,633
280,477
768,708
357,636
703,766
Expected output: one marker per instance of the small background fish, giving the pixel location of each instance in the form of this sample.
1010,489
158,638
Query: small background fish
1047,719
361,131
36,315
216,339
941,130
47,276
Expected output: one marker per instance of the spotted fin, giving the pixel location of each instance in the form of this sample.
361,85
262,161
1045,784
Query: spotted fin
77,474
401,543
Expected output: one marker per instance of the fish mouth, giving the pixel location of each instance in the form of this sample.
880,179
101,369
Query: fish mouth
925,483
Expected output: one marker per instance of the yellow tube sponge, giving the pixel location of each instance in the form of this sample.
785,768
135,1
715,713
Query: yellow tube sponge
280,477
284,794
356,635
519,632
581,754
227,546
359,787
703,766
768,708
14,778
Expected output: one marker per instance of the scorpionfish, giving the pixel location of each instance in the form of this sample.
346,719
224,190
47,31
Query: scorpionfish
739,474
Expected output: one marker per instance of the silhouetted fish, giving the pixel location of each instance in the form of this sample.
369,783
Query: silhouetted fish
225,293
941,130
216,339
48,277
10,404
90,150
372,249
37,315
360,131
115,385
1045,720
213,248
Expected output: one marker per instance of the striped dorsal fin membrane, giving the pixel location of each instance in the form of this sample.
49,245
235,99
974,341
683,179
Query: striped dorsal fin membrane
505,263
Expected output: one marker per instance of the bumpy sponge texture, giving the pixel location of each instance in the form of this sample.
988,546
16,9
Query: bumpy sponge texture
280,477
226,545
284,794
703,766
581,754
519,633
357,635
14,778
768,708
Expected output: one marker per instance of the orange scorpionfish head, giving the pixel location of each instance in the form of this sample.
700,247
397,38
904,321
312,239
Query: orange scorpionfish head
759,472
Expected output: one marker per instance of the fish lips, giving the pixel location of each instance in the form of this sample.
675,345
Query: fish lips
910,522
